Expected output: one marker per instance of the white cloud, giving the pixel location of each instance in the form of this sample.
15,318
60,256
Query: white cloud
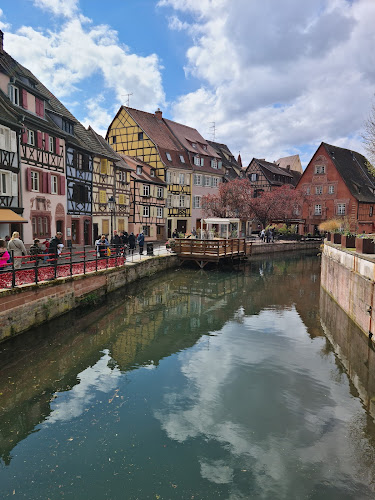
276,80
3,24
67,8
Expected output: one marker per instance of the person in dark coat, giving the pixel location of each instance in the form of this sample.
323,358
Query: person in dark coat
56,240
131,242
116,242
141,242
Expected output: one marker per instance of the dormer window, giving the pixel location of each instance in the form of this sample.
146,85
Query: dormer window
169,157
197,161
204,147
320,169
14,95
68,126
140,136
39,107
182,159
139,170
214,163
152,173
194,144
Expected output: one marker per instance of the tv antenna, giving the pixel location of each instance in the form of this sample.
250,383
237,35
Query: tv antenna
128,98
213,130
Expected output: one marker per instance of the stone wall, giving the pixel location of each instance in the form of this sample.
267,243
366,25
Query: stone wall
285,246
349,278
26,306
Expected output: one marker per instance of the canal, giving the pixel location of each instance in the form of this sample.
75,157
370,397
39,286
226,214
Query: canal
231,383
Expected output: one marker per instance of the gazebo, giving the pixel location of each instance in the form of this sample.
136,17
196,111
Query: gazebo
225,226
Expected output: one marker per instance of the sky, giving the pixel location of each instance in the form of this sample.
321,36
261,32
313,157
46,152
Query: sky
270,78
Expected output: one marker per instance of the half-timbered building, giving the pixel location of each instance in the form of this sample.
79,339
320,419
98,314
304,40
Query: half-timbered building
110,190
338,183
147,137
232,168
265,176
148,212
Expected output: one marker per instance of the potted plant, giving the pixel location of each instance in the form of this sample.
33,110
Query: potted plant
333,226
171,244
364,244
348,240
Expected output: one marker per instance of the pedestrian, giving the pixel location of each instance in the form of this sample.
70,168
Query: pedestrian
102,246
53,245
262,234
194,233
4,256
35,251
116,242
131,242
175,234
273,233
268,235
141,242
46,247
16,245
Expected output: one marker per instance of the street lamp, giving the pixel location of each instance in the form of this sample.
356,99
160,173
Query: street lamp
112,206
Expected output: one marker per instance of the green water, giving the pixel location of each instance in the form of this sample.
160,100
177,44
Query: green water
228,384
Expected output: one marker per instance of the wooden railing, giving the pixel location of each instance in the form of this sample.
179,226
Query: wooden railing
210,249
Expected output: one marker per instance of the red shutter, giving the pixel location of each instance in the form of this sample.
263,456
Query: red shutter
62,184
57,145
24,98
28,179
24,136
46,142
45,181
48,182
39,139
37,106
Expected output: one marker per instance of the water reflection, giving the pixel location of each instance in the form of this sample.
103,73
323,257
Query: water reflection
211,384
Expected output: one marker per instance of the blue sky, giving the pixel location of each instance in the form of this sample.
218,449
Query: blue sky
277,78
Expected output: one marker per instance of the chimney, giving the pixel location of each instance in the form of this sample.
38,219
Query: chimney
159,114
1,42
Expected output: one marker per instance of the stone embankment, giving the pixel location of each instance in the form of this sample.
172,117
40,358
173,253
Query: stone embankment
26,306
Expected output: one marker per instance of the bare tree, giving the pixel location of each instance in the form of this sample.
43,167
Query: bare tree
369,134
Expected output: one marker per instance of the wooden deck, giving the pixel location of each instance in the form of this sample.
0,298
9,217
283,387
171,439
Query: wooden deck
204,251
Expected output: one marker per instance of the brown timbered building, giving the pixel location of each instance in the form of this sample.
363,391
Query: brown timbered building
265,176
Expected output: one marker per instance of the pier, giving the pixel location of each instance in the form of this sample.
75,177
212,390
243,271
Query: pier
204,251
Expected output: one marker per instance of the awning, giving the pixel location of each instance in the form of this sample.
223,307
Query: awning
7,215
221,221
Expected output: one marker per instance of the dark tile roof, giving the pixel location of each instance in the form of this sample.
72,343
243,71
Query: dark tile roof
8,118
132,163
188,135
232,167
352,167
106,149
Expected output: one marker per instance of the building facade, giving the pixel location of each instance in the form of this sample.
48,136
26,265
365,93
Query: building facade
265,176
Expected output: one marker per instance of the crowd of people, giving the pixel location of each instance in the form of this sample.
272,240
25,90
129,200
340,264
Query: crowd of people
267,235
120,244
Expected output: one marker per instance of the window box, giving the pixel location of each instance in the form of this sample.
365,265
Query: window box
347,241
364,245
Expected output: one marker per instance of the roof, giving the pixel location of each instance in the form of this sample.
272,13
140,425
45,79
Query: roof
188,136
293,162
233,168
221,221
353,168
106,149
132,163
7,215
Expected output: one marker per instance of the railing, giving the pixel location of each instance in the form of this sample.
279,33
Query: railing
45,266
218,248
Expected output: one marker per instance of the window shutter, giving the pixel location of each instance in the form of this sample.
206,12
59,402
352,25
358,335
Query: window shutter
62,184
44,182
176,200
39,139
28,179
2,138
14,191
57,145
202,162
24,99
13,141
49,183
75,156
24,136
187,201
103,166
46,142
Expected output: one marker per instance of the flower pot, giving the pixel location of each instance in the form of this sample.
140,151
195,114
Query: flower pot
364,245
328,236
337,238
347,241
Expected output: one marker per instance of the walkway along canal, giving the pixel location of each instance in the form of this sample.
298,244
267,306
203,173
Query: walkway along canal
196,384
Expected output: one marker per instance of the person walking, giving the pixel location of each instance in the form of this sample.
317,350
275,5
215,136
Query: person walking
141,242
116,242
131,243
53,245
36,251
262,234
16,245
4,256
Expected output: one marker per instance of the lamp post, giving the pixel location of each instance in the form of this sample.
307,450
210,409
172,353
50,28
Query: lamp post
112,206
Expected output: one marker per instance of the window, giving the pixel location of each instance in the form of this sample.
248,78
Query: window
331,189
160,192
197,160
146,230
31,137
169,157
194,144
202,162
204,147
341,209
207,181
182,179
140,136
318,189
51,144
169,200
371,211
320,169
34,181
182,159
197,180
139,170
14,95
122,176
146,211
318,210
146,190
121,199
253,177
214,163
182,200
53,184
68,126
34,226
102,196
40,226
308,190
152,173
168,177
39,107
196,202
114,139
3,184
215,181
159,212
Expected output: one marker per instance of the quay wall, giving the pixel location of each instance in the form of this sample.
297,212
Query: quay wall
349,278
26,306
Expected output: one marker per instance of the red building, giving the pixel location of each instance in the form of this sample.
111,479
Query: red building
338,183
